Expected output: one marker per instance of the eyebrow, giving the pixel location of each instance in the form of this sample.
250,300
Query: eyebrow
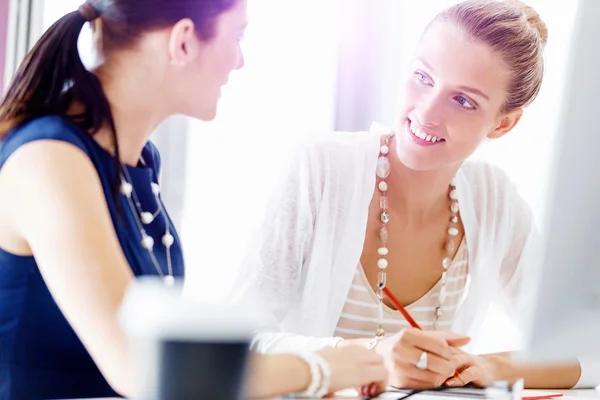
474,91
469,89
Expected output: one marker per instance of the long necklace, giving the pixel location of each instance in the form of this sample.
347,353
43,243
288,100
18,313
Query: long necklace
144,218
383,172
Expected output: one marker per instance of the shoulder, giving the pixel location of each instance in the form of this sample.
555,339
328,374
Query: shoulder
339,142
44,128
340,153
486,180
151,156
490,192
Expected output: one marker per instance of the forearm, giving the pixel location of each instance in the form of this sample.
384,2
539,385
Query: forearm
536,376
278,342
276,375
354,342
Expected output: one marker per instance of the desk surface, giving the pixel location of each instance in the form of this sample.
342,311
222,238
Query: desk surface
579,394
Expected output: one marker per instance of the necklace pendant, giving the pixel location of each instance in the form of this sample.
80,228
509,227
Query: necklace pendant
385,217
383,202
454,207
383,235
383,167
147,242
126,188
147,218
168,240
446,263
383,186
169,280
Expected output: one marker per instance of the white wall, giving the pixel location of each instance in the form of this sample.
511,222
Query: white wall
286,90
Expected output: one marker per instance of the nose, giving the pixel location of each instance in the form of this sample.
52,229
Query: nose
429,110
240,61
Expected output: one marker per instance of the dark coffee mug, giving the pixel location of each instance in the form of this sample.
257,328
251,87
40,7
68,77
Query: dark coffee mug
185,349
202,370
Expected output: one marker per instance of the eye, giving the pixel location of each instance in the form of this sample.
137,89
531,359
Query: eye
464,102
422,78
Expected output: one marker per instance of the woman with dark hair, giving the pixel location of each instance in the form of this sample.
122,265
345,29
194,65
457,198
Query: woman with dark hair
80,204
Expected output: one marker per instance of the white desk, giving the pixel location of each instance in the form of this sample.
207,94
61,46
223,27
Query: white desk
590,394
580,394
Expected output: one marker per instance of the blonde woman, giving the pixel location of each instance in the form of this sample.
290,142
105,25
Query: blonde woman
404,209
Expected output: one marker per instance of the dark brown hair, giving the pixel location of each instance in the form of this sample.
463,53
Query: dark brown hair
52,77
513,30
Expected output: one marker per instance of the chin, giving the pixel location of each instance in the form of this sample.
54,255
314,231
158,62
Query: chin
206,115
414,158
417,154
419,162
416,163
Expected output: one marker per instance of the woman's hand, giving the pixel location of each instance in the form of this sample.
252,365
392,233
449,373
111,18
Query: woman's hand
355,366
403,351
473,369
274,375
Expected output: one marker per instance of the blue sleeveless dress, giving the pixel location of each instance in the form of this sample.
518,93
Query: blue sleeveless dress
41,357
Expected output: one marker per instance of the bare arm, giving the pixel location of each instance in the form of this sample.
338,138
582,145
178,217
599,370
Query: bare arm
275,374
272,375
58,208
547,376
518,268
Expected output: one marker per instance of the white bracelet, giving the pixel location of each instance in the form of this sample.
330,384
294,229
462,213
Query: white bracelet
325,377
315,363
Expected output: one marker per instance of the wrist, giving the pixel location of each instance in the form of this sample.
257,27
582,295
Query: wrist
299,369
273,374
498,367
353,343
319,375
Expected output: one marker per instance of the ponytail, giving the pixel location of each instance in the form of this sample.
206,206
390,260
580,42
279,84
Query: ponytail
52,79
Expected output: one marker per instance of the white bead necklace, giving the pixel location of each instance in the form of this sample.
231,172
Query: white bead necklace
383,172
144,218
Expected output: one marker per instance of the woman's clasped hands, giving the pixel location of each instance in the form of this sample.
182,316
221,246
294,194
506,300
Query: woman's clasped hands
418,359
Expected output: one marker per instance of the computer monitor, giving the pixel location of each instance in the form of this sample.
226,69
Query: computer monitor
565,315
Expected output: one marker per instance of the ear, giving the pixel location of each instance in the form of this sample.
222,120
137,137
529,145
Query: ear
183,42
506,124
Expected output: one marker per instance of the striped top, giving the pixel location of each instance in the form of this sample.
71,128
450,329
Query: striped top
359,317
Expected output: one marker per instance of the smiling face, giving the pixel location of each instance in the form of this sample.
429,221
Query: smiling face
452,100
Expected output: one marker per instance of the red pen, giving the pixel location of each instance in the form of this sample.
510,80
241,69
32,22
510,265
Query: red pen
542,397
401,308
407,316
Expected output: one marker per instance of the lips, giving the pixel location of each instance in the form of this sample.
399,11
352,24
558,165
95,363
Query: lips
419,133
421,136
